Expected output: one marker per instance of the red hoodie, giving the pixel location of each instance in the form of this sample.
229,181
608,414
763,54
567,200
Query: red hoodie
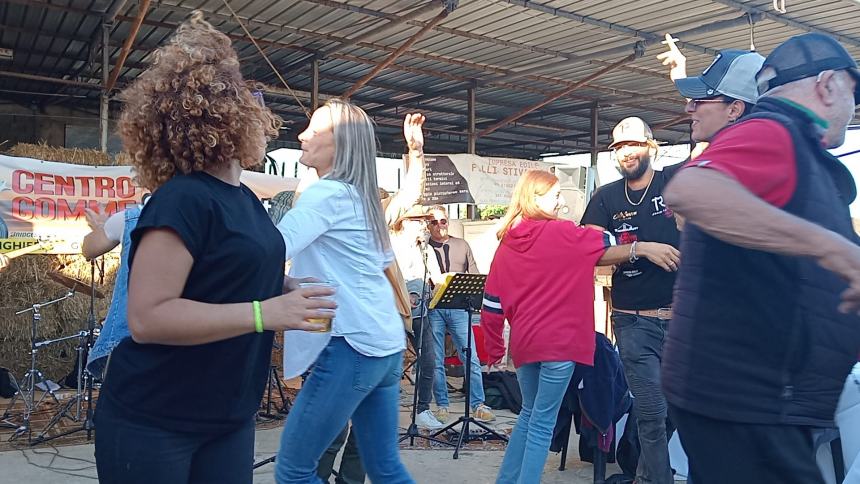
542,282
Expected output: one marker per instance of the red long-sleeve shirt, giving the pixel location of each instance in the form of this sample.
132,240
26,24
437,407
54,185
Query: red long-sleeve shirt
542,281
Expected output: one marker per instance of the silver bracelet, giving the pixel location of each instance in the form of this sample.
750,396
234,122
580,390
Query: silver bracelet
633,257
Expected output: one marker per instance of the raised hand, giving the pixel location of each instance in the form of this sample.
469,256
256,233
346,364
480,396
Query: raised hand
95,219
412,131
674,59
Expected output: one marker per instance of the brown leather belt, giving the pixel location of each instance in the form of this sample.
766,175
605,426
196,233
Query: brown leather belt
662,313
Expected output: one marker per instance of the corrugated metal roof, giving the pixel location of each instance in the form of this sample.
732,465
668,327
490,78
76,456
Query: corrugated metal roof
517,52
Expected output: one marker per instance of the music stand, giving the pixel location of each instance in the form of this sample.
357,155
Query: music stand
464,291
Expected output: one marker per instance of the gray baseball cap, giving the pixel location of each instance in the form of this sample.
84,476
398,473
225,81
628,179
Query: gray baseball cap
731,74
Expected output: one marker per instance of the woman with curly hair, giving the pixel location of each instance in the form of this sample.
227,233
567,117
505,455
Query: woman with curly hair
337,232
206,284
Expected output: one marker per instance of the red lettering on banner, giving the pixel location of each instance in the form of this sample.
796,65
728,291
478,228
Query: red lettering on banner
76,211
43,182
85,185
22,208
44,208
19,176
27,182
104,187
66,185
125,187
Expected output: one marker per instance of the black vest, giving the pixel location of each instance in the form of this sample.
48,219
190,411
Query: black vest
756,337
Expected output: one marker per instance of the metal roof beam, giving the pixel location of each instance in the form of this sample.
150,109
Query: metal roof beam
127,45
482,38
639,47
647,37
370,45
393,21
555,96
394,55
76,58
787,21
55,80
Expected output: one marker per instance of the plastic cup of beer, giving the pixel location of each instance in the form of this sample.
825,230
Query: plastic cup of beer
326,322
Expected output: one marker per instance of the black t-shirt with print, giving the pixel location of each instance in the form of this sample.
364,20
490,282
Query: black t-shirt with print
642,284
238,257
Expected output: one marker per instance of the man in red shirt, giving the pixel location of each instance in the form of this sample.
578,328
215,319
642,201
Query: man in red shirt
765,324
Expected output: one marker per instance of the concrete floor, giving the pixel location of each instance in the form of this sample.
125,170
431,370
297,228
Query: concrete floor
76,464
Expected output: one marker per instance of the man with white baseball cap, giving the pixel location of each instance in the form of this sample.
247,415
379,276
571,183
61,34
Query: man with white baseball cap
633,210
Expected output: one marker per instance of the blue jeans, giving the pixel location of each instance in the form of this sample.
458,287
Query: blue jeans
543,386
344,385
456,321
640,343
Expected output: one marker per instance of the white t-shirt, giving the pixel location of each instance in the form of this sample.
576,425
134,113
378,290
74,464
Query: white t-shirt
115,226
327,237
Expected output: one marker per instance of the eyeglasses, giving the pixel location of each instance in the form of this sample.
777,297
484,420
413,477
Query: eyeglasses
694,104
443,221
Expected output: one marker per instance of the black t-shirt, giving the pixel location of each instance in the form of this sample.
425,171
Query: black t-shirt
641,285
238,257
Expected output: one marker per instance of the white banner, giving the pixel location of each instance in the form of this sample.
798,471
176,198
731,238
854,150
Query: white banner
46,200
465,178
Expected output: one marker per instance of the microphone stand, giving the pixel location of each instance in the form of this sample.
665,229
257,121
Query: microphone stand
412,431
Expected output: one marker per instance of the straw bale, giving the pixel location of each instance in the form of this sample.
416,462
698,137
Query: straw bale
24,283
75,156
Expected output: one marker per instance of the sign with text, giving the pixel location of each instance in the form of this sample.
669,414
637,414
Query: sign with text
465,178
45,199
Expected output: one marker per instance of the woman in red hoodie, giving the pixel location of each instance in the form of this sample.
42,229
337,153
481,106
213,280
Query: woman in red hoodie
542,281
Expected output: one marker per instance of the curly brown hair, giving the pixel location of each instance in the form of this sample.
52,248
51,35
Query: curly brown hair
192,110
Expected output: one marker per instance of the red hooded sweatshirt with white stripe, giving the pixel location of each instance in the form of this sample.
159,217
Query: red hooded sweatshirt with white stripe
542,281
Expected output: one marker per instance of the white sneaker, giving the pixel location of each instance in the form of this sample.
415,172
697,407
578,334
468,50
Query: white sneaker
426,420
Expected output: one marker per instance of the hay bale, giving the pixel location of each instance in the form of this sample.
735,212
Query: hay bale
26,282
75,156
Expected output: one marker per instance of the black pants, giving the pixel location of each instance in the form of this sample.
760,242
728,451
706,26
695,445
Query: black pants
351,470
426,363
128,452
722,452
640,344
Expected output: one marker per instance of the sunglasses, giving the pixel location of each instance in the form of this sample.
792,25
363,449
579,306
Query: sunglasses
694,104
443,221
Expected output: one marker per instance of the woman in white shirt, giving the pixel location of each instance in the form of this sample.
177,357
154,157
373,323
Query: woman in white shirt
337,232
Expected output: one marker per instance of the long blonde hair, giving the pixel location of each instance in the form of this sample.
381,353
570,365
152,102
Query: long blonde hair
531,183
355,162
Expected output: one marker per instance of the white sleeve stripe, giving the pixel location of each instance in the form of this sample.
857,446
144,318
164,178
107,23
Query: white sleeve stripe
492,304
609,239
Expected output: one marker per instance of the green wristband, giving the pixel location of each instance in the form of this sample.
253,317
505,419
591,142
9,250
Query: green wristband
258,316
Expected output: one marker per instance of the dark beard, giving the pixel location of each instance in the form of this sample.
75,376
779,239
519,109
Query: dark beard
639,172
